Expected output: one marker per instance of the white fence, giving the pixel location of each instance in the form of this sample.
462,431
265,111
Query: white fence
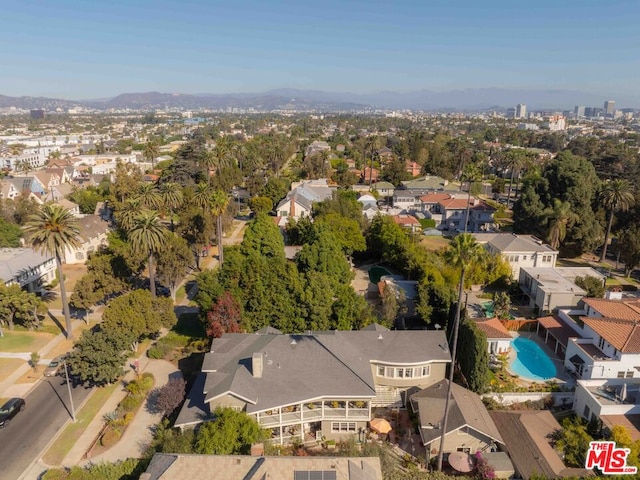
509,398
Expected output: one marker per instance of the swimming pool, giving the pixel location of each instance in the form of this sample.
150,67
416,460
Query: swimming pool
531,362
376,272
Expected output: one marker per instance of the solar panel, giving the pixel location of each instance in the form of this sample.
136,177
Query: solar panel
314,475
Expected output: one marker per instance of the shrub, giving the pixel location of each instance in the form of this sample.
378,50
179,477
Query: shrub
130,403
110,437
146,382
55,474
158,351
127,419
133,387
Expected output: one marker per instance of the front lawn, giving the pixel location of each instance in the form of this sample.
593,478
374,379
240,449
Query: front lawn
8,366
16,342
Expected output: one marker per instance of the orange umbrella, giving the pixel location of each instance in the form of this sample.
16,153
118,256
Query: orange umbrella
380,425
460,461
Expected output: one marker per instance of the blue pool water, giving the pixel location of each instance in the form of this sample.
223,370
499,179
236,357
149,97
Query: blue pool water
531,362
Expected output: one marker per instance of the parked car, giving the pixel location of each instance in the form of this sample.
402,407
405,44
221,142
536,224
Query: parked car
54,367
10,410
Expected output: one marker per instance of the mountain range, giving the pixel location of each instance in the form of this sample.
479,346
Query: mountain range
477,99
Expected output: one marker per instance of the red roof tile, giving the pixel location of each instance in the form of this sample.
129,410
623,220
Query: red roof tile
624,335
618,309
492,327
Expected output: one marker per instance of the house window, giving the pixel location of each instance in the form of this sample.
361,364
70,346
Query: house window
381,371
424,371
586,411
601,343
524,257
629,374
621,374
338,427
404,372
464,449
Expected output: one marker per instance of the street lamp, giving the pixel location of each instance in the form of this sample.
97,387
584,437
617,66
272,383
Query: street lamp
66,374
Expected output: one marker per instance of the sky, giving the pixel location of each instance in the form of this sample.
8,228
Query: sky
95,49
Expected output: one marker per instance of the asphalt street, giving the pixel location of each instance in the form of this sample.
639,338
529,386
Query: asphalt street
26,436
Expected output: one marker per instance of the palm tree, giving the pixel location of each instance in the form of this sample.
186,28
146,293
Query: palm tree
151,152
372,145
147,235
558,218
52,230
148,196
202,196
463,250
615,195
218,204
127,213
171,197
514,162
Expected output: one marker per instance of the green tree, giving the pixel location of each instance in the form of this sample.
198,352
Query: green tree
10,234
323,255
615,195
474,356
393,303
231,433
558,219
622,437
148,196
147,235
573,441
501,305
219,204
52,230
629,247
592,285
151,152
346,231
174,260
98,356
18,306
171,197
260,205
137,314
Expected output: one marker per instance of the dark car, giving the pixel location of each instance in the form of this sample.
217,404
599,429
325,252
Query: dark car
10,410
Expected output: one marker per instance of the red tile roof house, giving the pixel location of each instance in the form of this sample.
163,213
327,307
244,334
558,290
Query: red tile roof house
408,221
606,343
498,337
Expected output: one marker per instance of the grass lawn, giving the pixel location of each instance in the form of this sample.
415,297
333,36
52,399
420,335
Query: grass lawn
8,366
16,342
67,439
434,243
180,294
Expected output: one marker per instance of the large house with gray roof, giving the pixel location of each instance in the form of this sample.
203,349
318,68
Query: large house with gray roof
26,267
519,250
313,385
300,199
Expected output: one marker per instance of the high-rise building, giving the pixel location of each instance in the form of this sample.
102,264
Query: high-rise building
521,110
609,107
511,112
579,111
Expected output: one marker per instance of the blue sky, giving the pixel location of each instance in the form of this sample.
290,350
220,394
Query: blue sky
90,49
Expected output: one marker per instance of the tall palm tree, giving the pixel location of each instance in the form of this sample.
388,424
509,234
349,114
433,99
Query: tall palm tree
147,235
463,250
151,152
615,195
171,197
148,196
52,230
202,196
218,205
558,218
514,161
372,146
127,213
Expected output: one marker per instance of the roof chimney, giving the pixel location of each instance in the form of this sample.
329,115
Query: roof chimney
257,365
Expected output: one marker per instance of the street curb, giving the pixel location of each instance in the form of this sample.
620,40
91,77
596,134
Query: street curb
53,439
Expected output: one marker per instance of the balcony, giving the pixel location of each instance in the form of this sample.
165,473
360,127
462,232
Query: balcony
315,411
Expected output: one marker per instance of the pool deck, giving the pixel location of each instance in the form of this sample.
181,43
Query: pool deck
561,374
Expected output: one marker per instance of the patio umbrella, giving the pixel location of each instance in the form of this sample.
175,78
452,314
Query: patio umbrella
460,461
380,425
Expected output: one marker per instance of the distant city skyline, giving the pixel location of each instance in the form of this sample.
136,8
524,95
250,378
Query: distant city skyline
81,50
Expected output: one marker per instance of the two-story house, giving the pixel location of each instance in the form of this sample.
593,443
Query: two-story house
313,385
608,341
92,236
299,201
26,267
519,250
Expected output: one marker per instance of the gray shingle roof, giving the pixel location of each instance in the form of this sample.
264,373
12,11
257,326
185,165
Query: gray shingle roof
15,261
297,368
510,242
466,408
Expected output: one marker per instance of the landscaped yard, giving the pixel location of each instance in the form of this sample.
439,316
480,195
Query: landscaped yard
434,243
63,444
17,342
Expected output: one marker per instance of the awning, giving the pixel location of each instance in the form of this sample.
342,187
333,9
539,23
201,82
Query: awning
576,360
